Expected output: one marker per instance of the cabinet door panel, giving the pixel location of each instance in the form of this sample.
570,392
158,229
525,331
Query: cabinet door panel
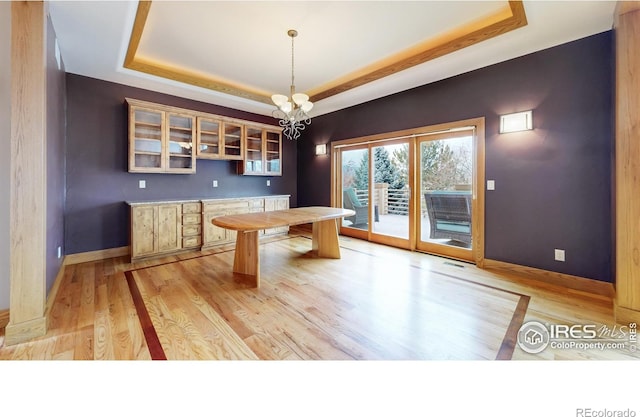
273,153
232,141
180,151
253,148
169,227
143,231
145,140
209,138
212,234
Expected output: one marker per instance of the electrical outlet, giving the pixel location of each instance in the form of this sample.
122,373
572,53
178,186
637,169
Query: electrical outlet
215,183
142,184
59,252
559,255
491,185
268,183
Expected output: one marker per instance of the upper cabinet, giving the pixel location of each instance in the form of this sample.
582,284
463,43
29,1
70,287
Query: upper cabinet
263,151
219,139
160,140
167,139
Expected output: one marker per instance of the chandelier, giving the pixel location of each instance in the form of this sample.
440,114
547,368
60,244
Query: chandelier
293,110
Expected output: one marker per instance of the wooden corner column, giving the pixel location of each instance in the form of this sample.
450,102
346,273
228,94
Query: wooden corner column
27,296
627,161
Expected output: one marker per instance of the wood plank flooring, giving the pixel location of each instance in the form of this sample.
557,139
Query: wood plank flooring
376,303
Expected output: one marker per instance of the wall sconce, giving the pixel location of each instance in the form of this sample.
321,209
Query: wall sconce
321,149
516,122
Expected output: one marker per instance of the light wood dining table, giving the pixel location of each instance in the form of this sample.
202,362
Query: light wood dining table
324,241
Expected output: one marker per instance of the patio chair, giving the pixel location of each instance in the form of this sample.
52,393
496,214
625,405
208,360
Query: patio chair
449,215
350,201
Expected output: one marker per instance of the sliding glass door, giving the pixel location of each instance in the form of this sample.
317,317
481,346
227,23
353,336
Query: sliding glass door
376,185
445,177
414,189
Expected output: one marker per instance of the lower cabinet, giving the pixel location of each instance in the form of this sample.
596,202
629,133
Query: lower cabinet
273,204
163,228
155,229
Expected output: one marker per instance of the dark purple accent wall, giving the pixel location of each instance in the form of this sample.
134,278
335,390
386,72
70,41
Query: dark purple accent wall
553,184
97,180
56,118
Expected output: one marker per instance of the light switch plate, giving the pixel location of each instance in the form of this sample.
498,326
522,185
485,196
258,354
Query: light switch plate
559,255
268,183
142,184
215,183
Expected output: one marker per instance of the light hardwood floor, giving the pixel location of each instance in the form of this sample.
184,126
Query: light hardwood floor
375,303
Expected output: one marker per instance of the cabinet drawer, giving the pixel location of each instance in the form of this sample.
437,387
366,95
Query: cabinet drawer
191,230
225,206
191,218
188,208
191,241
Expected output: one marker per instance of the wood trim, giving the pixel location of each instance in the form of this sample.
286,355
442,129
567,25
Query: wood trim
150,335
623,7
4,318
195,113
28,173
53,292
511,336
627,146
136,32
587,285
509,18
626,315
175,73
96,255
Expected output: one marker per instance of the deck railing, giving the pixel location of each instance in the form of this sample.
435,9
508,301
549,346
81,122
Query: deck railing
388,200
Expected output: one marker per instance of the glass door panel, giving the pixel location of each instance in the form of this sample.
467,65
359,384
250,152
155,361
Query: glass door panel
232,141
253,160
273,152
355,187
209,138
391,192
181,141
148,139
446,199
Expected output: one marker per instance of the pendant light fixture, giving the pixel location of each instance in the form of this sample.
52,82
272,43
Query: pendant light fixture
293,110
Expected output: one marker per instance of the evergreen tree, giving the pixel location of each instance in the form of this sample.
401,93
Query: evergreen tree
361,176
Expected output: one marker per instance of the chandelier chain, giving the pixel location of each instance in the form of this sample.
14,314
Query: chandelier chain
292,61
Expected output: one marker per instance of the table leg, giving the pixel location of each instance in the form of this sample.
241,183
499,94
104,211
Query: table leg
325,239
247,257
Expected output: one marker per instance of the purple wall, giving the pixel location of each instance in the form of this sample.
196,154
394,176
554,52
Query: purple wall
56,106
98,184
553,184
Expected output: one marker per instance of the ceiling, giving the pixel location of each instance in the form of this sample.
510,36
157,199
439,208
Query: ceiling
237,53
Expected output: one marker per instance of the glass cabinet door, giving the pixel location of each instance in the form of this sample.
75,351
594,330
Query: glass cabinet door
180,144
146,146
273,153
232,141
209,138
253,159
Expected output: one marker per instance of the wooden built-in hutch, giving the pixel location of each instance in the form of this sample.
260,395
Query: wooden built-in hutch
166,139
161,228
